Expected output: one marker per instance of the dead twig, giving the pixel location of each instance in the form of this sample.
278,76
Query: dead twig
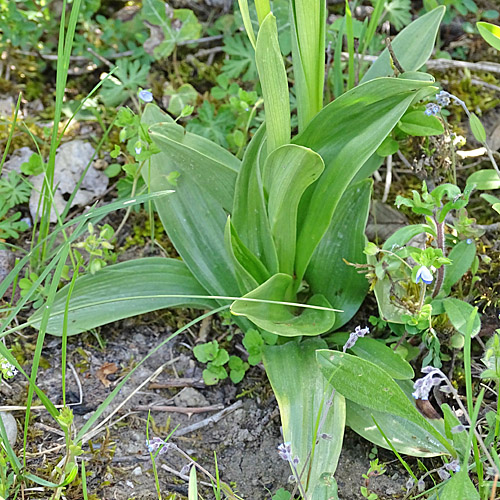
179,409
213,419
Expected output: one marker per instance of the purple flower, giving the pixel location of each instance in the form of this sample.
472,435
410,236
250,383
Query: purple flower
443,475
409,484
423,386
458,428
146,96
358,332
424,274
432,109
454,465
155,444
285,452
421,485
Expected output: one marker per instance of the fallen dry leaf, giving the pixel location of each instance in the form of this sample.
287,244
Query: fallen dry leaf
105,370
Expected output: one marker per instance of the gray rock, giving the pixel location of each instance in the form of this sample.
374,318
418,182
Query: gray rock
7,106
7,260
10,425
17,158
137,471
71,160
190,397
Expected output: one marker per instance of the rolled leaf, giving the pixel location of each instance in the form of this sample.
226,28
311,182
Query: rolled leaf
115,292
249,270
302,394
280,318
290,169
308,41
274,84
249,212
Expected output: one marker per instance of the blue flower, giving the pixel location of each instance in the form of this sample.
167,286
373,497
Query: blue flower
443,98
424,275
146,96
432,109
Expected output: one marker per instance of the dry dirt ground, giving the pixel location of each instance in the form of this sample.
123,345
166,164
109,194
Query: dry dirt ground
245,439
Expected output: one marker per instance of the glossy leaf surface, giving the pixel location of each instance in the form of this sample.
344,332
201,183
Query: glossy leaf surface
412,46
115,292
369,386
279,318
274,84
194,216
302,393
290,170
327,272
360,120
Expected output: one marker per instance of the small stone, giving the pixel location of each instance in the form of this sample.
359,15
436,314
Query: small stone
7,261
190,397
71,161
17,158
7,107
10,425
137,471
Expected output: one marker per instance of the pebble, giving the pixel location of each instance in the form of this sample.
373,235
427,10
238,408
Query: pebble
71,161
190,397
17,158
137,471
10,425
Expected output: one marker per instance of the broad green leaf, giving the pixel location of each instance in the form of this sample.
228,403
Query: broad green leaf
459,486
406,436
491,33
388,147
368,385
462,255
249,270
308,40
477,128
168,27
185,95
327,272
412,46
279,318
199,159
459,312
116,292
402,236
302,394
195,215
274,84
378,353
289,169
358,122
249,211
484,180
418,124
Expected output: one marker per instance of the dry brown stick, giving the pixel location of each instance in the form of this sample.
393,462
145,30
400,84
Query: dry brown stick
213,419
178,382
442,64
179,409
